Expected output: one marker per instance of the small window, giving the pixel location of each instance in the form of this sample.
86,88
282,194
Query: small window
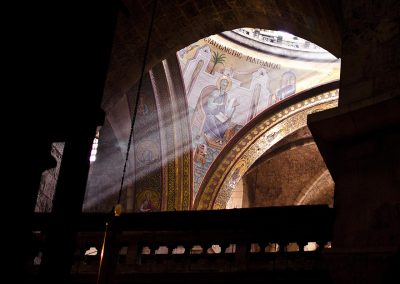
95,144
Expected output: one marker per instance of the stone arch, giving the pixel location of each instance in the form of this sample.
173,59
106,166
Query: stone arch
178,24
175,28
257,137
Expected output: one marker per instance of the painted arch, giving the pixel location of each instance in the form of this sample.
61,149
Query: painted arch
256,138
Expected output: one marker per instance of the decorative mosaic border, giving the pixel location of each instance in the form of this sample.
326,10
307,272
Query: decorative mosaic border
182,131
215,193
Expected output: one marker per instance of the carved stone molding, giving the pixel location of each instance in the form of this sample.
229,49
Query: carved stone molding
215,191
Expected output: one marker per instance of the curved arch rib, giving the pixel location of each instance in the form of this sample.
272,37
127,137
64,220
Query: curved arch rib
258,136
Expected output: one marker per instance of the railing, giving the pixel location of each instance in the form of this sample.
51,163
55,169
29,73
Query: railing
224,241
264,37
279,47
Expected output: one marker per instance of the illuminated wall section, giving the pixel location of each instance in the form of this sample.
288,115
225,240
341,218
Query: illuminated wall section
191,105
251,80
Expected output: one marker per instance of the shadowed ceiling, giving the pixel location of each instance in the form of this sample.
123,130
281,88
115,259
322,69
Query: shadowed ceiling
291,172
180,23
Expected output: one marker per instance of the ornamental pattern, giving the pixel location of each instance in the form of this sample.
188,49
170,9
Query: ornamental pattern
215,193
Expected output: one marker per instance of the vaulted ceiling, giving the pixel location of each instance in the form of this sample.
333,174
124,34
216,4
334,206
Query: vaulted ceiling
179,23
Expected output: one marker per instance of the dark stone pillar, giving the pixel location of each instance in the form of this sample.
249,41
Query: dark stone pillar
361,149
359,142
67,207
81,48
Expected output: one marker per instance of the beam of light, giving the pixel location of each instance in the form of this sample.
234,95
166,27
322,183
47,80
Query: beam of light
161,124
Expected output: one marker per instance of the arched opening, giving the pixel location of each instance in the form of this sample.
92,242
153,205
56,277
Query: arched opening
291,172
196,105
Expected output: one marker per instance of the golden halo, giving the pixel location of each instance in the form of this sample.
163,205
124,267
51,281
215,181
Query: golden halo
224,78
